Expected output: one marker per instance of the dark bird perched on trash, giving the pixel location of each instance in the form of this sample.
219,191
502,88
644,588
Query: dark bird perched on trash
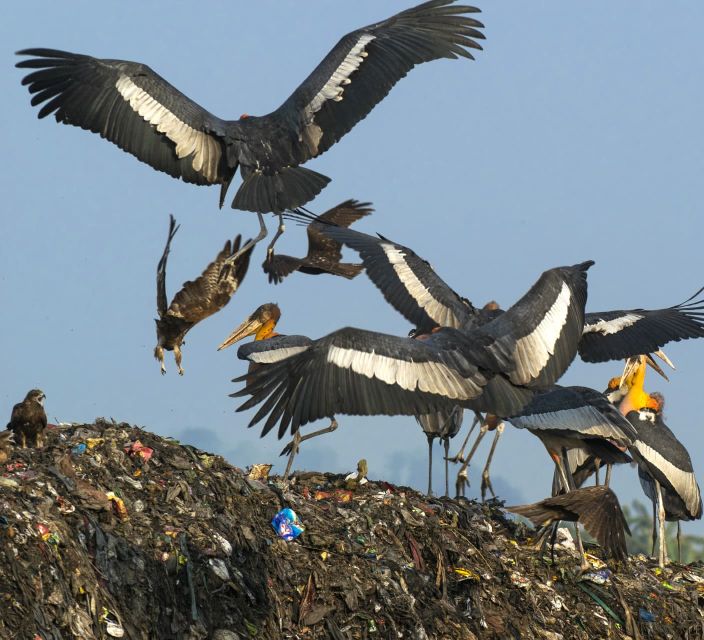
664,464
139,111
324,253
197,299
597,508
28,420
267,345
7,439
496,367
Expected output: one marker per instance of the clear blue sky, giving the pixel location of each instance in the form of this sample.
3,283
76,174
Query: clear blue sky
576,134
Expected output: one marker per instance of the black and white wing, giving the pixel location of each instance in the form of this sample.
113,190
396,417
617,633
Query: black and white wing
407,282
536,339
273,349
161,299
578,410
133,107
616,335
357,372
365,64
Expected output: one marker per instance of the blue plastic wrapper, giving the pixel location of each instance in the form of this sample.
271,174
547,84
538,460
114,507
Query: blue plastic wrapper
79,449
645,615
287,525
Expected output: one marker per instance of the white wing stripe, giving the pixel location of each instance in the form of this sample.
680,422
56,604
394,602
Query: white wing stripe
204,149
428,377
332,89
585,420
275,355
607,327
417,290
683,482
534,350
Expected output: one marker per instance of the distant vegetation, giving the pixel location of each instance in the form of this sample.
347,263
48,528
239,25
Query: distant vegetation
640,520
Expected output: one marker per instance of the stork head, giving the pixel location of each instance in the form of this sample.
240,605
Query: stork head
261,324
636,398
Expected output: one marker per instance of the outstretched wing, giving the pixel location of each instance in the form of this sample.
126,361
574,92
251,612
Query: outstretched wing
214,288
407,282
597,508
133,107
343,215
575,409
616,335
357,372
536,339
361,69
161,300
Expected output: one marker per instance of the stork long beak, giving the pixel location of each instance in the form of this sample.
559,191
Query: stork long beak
249,327
661,354
632,365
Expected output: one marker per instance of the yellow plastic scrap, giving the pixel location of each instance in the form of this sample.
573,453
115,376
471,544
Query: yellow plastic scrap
595,562
119,505
467,574
91,443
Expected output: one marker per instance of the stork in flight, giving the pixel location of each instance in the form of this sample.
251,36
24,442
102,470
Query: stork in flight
411,286
496,367
133,107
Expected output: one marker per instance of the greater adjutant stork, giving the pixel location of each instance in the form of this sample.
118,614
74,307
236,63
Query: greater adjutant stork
496,367
139,111
664,464
268,345
411,286
197,299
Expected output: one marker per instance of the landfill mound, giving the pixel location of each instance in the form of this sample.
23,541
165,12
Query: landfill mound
110,531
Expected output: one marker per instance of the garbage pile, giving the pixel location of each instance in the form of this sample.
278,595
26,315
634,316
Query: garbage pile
113,532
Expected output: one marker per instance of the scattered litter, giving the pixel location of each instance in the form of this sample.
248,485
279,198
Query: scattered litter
141,537
287,525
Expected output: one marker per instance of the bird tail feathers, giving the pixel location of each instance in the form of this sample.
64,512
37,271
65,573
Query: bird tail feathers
289,188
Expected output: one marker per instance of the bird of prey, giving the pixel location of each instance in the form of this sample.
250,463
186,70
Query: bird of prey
597,508
324,253
197,299
28,420
139,111
7,439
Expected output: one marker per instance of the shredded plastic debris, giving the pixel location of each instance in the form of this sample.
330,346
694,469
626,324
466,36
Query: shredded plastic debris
176,543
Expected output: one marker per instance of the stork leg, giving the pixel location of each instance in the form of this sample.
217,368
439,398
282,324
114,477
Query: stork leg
277,235
569,485
662,548
430,464
292,447
679,547
459,457
462,475
486,480
607,479
260,236
446,444
597,464
655,527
